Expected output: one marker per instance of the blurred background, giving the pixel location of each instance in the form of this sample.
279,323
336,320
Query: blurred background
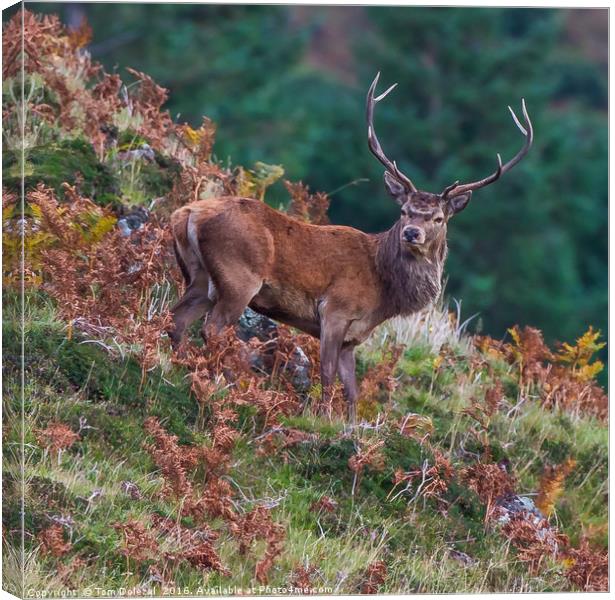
286,85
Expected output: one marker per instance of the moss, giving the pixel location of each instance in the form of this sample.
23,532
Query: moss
157,178
115,389
556,451
53,495
71,161
129,139
152,179
324,461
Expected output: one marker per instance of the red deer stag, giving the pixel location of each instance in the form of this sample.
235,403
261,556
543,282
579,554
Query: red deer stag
333,282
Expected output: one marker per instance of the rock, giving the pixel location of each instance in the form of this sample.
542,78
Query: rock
144,151
461,557
300,367
513,505
522,507
133,220
254,325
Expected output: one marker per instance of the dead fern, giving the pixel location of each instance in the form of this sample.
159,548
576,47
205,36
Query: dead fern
52,541
138,543
304,206
415,426
564,380
324,504
278,440
552,485
588,569
172,459
204,557
379,383
374,577
490,481
117,299
57,437
534,539
302,579
366,455
257,524
433,480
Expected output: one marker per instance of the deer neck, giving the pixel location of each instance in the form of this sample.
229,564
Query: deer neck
410,282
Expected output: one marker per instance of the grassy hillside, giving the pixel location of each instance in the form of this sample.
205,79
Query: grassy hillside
477,465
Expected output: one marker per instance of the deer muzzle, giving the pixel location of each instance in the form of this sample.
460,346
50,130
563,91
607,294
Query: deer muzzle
414,235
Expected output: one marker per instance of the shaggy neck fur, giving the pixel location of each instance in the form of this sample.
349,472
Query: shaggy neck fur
411,281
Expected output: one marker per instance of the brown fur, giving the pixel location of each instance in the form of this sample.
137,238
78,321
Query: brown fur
336,283
333,282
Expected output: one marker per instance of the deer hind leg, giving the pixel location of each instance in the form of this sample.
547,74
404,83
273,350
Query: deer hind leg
232,298
192,306
348,377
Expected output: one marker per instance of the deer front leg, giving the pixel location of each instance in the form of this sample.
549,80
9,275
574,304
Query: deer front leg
348,376
332,333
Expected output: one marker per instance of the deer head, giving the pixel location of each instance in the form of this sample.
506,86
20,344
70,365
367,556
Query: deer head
424,215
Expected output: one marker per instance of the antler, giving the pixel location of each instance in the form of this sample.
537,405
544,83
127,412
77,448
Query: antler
455,189
372,140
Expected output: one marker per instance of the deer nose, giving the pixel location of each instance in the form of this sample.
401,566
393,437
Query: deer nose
411,234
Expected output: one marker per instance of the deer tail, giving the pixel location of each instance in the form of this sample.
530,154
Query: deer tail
182,265
193,239
185,244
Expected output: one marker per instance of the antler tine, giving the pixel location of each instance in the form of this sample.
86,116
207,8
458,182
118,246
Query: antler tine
372,139
449,188
385,94
528,133
516,120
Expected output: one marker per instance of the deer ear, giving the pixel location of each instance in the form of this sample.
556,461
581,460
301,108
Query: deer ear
394,187
458,203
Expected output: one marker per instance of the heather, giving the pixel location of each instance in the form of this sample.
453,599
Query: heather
477,465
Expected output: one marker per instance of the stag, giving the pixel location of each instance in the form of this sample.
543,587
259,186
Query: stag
333,282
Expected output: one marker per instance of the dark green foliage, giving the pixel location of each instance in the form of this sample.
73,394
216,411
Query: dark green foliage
53,495
325,461
527,249
73,161
115,389
403,452
157,178
11,506
556,451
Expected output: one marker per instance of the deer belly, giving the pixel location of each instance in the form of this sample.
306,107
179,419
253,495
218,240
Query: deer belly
288,306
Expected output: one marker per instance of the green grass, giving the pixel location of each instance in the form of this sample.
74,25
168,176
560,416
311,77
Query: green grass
76,382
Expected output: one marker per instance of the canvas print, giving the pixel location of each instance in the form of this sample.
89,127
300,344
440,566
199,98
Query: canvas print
304,299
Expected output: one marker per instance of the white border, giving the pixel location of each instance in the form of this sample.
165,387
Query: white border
461,3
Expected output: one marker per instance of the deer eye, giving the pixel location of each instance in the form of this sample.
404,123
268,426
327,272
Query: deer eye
438,220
